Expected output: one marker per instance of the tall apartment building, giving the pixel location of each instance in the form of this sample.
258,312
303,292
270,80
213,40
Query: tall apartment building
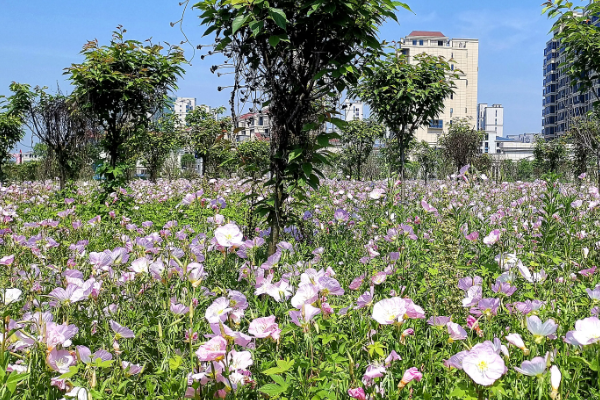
490,119
463,55
183,106
561,101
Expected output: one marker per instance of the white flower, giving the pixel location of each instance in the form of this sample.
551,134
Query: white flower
11,295
217,311
229,235
535,367
587,331
306,294
539,329
140,265
555,377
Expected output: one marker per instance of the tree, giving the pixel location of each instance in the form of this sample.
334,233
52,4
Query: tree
296,53
253,157
155,142
580,42
585,135
358,139
121,85
427,157
549,155
405,96
188,161
60,125
12,119
524,170
462,142
204,131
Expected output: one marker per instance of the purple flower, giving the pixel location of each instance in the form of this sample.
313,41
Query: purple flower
535,367
503,287
357,282
121,331
131,369
438,322
487,307
341,215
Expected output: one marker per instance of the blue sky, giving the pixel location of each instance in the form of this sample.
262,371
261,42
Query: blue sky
38,39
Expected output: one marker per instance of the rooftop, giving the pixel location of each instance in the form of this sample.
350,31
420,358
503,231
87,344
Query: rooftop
427,34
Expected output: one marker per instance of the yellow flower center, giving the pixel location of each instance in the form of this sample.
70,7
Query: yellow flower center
482,365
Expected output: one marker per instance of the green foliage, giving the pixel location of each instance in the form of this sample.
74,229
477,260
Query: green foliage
155,143
188,161
580,42
405,96
357,139
253,157
12,119
462,142
427,157
584,134
121,84
206,136
550,155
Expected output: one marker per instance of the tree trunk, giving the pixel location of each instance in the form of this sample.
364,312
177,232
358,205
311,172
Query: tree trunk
63,177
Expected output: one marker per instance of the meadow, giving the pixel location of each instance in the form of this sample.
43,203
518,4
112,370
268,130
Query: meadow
464,289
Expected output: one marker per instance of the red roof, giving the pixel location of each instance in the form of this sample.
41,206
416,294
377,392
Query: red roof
426,34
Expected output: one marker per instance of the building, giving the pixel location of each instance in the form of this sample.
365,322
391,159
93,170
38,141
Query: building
183,106
561,101
255,125
463,55
28,156
490,119
353,110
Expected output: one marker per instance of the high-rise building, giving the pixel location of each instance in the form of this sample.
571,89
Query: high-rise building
561,101
490,119
183,106
463,55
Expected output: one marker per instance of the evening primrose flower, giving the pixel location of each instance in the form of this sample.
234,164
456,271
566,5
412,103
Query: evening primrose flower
218,311
264,327
594,293
229,236
506,261
410,375
12,295
516,340
396,310
555,377
60,360
357,393
456,331
587,331
306,294
492,238
535,367
213,350
131,369
483,365
541,330
121,332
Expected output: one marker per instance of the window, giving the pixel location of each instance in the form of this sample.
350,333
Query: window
451,96
440,42
260,121
436,124
452,67
266,132
496,116
487,136
420,43
466,112
414,42
451,111
496,123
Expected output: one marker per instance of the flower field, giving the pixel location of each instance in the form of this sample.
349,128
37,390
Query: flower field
467,289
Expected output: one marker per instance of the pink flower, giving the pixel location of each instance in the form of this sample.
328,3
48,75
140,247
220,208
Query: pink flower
541,330
229,236
131,369
516,340
406,333
392,357
60,360
306,294
213,350
59,334
239,360
492,238
456,331
264,327
483,364
218,310
357,282
306,313
410,375
456,360
357,393
121,332
8,260
473,236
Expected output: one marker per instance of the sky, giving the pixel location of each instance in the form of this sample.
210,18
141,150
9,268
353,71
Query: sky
39,39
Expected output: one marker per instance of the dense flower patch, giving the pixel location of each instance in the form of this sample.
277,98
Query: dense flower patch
468,289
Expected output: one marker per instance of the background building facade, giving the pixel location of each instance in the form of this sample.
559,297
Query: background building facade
463,55
490,119
561,101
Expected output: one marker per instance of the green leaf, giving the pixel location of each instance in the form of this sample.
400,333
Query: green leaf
274,40
72,371
295,154
272,389
175,362
279,17
238,22
13,380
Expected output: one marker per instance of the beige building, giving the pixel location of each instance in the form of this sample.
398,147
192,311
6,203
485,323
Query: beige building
463,55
